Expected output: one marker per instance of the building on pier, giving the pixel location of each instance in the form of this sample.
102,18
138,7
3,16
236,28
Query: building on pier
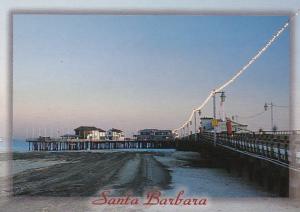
87,132
115,135
239,128
206,124
92,138
154,135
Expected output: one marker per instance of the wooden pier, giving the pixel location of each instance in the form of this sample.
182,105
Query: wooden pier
58,144
263,158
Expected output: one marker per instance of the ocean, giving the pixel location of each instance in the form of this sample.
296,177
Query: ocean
19,145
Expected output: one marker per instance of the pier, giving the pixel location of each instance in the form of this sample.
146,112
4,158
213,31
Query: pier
59,144
260,157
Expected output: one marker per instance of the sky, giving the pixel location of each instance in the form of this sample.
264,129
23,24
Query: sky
143,71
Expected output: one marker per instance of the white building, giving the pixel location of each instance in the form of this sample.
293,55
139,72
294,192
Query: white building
87,132
236,127
115,135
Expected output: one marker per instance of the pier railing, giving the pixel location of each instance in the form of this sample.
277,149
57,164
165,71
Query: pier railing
268,146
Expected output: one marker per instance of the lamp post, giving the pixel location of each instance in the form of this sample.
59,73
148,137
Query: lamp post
271,105
222,101
214,111
188,131
195,121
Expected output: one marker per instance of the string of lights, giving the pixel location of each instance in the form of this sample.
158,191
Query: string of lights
241,71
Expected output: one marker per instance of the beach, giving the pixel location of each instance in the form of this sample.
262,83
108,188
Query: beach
56,181
86,173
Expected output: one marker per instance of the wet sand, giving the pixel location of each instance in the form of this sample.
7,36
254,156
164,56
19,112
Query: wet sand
86,173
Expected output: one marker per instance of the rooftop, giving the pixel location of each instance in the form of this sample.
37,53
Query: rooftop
88,128
116,130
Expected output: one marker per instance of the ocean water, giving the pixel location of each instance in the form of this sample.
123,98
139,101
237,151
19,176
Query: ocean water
19,145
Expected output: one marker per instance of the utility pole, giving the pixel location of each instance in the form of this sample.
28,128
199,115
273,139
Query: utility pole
272,120
271,105
214,111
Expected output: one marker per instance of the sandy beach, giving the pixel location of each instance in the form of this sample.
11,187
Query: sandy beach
86,173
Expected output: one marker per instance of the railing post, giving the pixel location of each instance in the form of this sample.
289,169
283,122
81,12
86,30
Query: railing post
263,146
252,143
268,150
234,142
238,142
243,143
278,150
249,141
272,149
286,155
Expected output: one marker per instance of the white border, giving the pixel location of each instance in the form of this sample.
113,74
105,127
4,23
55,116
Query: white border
189,7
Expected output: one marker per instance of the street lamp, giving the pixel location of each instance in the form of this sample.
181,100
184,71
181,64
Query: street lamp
188,130
214,110
223,96
195,121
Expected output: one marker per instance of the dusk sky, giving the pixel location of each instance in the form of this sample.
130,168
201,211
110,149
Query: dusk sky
134,72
